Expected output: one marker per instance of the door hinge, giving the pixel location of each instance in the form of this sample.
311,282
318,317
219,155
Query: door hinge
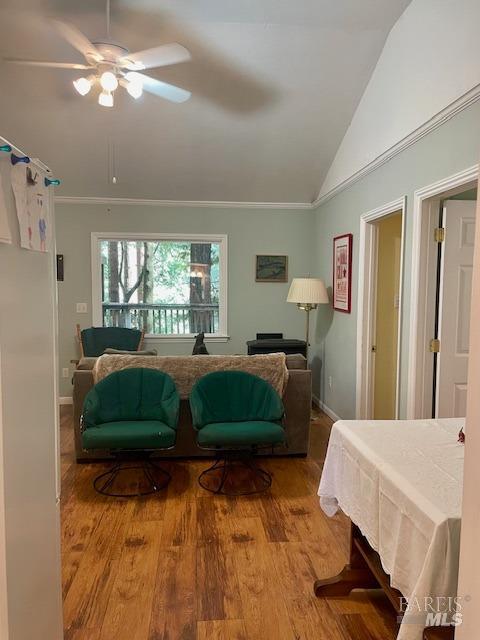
434,345
439,234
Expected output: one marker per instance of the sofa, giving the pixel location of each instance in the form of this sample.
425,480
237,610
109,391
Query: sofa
297,400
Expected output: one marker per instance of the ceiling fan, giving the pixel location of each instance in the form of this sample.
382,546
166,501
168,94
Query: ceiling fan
111,65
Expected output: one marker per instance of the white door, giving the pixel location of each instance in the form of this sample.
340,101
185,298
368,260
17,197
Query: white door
454,309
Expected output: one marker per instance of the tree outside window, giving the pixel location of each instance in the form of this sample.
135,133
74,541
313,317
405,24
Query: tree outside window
165,287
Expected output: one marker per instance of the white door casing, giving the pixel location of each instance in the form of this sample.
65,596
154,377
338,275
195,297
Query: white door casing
454,309
366,306
420,327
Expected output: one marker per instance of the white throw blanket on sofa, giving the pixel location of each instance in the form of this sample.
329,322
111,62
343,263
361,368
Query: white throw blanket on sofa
186,370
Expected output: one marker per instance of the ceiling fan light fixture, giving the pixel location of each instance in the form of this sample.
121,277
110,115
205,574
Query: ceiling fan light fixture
82,85
109,81
110,64
134,76
105,99
135,89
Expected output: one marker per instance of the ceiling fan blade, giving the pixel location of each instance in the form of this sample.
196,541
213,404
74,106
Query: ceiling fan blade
78,41
159,88
161,56
40,63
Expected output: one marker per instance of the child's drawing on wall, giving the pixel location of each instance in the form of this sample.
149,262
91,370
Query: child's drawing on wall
32,205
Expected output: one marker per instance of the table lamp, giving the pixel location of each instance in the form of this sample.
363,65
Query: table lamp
307,293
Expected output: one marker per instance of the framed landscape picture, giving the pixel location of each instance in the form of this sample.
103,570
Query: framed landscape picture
271,268
342,272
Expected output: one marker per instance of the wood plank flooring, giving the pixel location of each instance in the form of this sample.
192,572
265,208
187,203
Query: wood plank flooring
188,565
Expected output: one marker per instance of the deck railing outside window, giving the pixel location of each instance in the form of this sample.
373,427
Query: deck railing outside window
162,319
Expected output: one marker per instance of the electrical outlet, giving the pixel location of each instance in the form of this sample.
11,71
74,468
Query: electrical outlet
82,307
65,372
330,382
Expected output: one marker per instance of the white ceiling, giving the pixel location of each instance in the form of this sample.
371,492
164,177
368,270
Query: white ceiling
275,84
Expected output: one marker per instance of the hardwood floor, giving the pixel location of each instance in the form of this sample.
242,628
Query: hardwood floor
189,565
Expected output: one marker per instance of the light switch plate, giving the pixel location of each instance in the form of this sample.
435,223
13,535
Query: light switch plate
82,307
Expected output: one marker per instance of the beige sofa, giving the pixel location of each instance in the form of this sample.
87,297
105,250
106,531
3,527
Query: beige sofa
297,400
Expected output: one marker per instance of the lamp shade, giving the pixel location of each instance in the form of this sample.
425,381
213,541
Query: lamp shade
307,291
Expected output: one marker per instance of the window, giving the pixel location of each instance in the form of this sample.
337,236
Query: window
167,285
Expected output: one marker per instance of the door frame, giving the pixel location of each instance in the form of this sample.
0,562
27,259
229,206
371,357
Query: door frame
419,308
4,633
367,262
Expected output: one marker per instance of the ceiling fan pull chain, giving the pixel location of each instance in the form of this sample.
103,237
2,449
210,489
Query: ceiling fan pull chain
108,18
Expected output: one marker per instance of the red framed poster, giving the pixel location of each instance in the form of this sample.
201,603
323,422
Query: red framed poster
342,273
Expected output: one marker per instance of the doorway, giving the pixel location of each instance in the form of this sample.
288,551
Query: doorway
443,237
379,312
385,334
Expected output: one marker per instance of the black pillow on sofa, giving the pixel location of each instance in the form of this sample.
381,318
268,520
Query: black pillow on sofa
199,347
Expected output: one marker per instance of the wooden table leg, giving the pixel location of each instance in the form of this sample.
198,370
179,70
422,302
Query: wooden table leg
364,571
355,575
439,633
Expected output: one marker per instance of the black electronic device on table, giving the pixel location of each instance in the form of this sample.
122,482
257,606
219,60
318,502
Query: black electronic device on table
275,343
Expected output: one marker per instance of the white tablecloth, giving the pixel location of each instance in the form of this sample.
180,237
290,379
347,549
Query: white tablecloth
400,482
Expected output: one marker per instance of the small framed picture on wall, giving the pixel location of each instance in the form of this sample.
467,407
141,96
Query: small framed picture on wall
342,273
270,268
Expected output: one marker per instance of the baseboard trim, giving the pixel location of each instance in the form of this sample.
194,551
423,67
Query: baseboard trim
321,405
65,400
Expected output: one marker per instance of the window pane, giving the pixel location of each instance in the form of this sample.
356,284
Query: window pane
164,287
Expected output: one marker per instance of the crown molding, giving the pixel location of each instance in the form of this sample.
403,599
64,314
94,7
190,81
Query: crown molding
438,120
210,204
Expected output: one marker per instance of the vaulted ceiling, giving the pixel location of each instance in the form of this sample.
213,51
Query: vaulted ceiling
274,86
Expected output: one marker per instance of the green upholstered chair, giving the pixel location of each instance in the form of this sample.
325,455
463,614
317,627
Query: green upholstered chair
131,413
235,414
94,340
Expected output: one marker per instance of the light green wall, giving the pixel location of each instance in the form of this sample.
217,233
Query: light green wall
449,149
306,237
252,306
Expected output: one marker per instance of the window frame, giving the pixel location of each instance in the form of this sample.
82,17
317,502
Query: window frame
221,239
